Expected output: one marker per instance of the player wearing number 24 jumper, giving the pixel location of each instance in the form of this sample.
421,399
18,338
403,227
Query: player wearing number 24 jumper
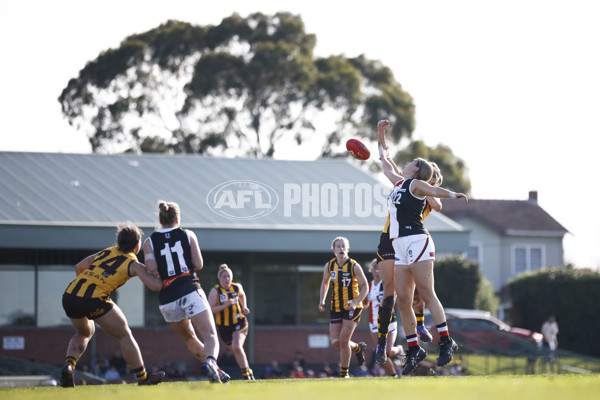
87,301
174,254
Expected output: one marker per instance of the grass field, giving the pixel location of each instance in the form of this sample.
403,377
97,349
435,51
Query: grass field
551,387
504,365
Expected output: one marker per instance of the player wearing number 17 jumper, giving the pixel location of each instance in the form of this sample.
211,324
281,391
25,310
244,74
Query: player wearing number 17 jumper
350,287
174,253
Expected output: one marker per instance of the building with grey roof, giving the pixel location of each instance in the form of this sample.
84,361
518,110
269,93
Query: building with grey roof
74,201
271,221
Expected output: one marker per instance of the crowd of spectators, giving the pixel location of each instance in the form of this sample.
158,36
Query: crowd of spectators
115,369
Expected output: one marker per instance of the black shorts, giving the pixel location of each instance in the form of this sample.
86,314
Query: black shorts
226,332
336,317
385,250
78,307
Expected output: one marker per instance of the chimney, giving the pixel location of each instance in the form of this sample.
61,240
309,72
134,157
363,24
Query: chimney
533,197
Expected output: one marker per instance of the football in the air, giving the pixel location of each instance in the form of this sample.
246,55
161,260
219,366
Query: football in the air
357,149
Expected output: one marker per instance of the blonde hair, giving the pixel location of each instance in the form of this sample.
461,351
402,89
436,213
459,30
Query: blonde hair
373,263
425,169
437,174
168,212
222,269
340,238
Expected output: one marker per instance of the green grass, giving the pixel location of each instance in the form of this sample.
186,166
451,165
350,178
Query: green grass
546,387
504,365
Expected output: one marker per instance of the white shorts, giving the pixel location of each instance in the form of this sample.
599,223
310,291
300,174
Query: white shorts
185,307
391,328
413,248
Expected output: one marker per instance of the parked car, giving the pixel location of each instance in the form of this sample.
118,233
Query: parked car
479,329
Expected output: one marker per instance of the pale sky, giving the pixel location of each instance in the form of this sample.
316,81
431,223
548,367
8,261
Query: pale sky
512,86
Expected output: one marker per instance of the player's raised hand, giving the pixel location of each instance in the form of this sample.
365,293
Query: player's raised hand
383,124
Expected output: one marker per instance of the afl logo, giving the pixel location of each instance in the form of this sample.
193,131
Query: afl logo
242,199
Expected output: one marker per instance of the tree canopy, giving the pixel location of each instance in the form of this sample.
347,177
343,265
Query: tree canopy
558,291
454,169
460,284
247,87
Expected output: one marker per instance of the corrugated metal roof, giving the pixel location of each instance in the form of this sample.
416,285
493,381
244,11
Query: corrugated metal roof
93,190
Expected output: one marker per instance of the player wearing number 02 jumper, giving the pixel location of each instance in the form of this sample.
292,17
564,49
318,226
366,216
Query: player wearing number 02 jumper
414,250
174,254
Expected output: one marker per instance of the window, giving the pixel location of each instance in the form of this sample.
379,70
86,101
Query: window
32,296
52,282
536,258
288,295
520,260
275,299
474,253
153,316
527,258
17,295
130,299
310,279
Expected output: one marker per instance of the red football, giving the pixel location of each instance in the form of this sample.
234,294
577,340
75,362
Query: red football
357,149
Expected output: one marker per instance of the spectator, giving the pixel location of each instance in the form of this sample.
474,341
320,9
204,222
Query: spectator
326,371
532,355
112,375
458,367
227,358
168,368
300,358
297,371
549,343
273,371
378,370
180,373
362,371
119,363
97,370
86,369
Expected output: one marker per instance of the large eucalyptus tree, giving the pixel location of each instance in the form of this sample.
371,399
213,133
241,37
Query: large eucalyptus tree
247,87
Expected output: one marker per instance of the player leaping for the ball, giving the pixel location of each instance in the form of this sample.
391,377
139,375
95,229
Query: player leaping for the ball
414,251
385,257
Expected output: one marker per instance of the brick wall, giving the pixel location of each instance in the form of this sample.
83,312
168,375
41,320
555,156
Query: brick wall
159,345
282,344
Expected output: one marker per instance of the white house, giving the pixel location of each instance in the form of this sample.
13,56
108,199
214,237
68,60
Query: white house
509,237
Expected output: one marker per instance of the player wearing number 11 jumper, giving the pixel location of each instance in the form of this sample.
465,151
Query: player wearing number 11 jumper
174,253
